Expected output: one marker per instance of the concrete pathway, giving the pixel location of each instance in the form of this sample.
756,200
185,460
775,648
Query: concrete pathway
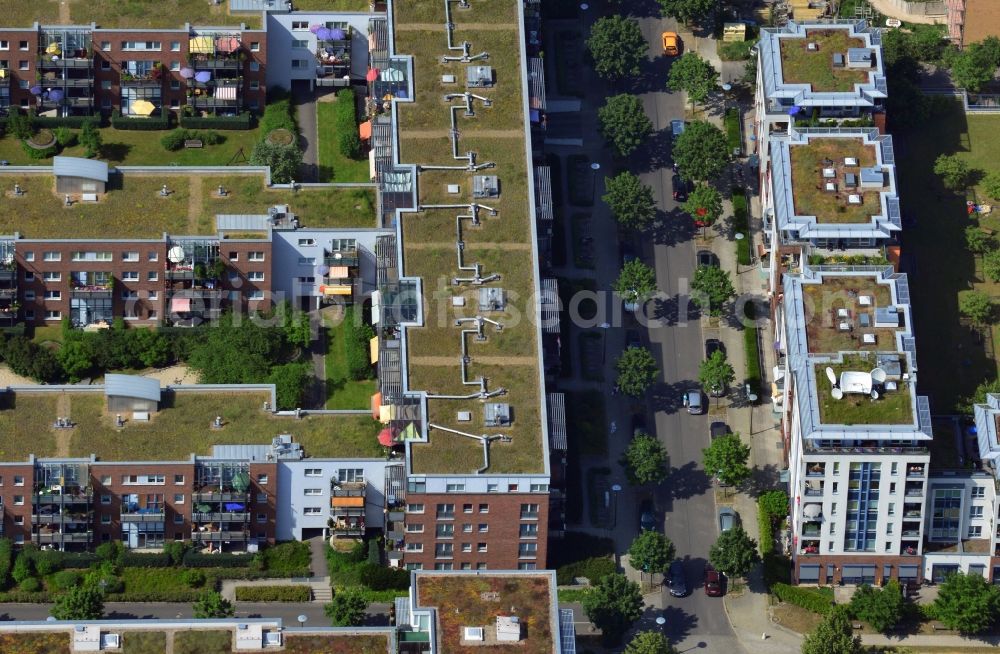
887,9
305,109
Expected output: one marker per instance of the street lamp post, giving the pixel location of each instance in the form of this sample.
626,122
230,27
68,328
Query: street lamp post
605,326
616,488
594,167
302,620
739,236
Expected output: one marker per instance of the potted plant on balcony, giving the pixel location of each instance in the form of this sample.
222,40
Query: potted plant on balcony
199,271
218,269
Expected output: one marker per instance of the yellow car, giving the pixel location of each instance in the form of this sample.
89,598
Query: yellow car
671,44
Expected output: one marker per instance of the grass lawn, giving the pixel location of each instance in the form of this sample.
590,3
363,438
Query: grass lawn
433,12
35,643
332,119
162,14
19,13
893,408
332,5
353,644
954,358
123,147
290,558
342,391
163,580
802,66
144,642
182,426
203,641
811,196
586,424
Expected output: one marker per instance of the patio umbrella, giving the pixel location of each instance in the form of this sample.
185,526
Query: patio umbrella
142,107
204,508
324,33
53,49
337,34
203,76
372,74
187,73
315,27
35,90
55,95
385,438
227,44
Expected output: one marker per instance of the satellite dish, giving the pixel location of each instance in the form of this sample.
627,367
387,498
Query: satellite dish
831,376
874,394
8,259
175,254
837,394
878,376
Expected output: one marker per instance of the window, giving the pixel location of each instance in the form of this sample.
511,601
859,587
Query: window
143,480
513,488
978,492
91,256
262,479
255,276
529,531
105,499
312,492
888,528
833,508
53,295
51,276
261,498
444,550
29,296
18,500
51,256
300,43
466,527
174,102
445,511
484,508
254,66
255,46
105,480
455,488
300,25
19,480
313,472
105,519
414,547
178,479
975,512
261,518
467,547
467,508
299,63
29,256
29,314
892,508
23,45
306,242
975,531
53,315
152,255
254,85
106,65
175,46
130,257
529,512
527,566
483,528
894,469
130,276
105,85
415,508
178,519
481,548
892,487
445,531
527,550
178,498
142,45
307,261
106,46
539,488
444,566
152,276
312,510
22,64
4,44
414,529
256,255
29,276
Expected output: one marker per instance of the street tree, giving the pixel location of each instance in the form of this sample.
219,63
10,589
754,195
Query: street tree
83,602
701,152
991,265
704,205
991,185
347,609
90,139
211,604
967,603
712,287
631,202
834,635
637,371
726,457
636,283
734,553
624,123
977,306
284,160
953,171
716,373
688,11
651,552
645,460
973,67
977,241
775,503
613,605
693,75
881,608
617,46
649,642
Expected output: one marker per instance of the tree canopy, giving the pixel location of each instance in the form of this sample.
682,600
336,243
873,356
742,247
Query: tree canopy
834,635
651,551
704,204
775,502
83,602
636,282
977,241
284,160
688,11
649,642
347,609
991,184
701,152
637,371
693,75
631,202
645,460
624,123
212,604
716,373
613,604
977,306
974,66
712,287
967,603
726,457
734,553
882,608
991,265
617,47
953,171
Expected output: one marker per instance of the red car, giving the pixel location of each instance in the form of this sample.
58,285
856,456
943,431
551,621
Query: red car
714,583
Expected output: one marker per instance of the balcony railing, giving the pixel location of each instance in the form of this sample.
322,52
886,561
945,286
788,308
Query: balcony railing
915,492
8,275
62,518
349,258
143,515
141,81
64,498
218,536
60,537
814,492
60,62
202,293
915,472
179,274
218,64
91,291
220,517
814,532
220,496
893,451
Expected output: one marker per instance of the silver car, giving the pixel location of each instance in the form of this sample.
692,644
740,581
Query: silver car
727,519
693,400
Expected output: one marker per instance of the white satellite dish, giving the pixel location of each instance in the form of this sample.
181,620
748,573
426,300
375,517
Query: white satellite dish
878,376
874,394
837,394
8,259
175,254
832,376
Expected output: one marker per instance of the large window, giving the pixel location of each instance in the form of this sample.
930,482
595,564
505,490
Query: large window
946,514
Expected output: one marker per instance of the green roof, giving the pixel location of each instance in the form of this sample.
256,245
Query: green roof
892,408
799,65
810,196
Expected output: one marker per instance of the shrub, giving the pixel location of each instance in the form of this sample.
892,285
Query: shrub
210,137
74,122
65,137
66,579
379,577
6,560
23,567
18,124
284,160
144,560
279,114
30,585
817,600
77,559
156,121
112,552
174,139
40,153
194,578
593,568
243,121
46,562
273,594
194,560
290,558
777,569
765,527
752,352
349,144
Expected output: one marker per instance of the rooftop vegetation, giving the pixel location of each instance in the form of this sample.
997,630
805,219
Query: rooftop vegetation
824,301
809,185
164,14
892,408
799,65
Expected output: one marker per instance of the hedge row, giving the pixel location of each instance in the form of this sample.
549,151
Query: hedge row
75,122
243,121
752,350
817,600
21,597
151,560
194,560
593,569
156,121
741,223
156,596
273,594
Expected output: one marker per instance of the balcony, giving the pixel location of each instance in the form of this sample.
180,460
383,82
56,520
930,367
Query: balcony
914,490
64,499
143,515
915,471
892,451
151,79
217,64
912,533
45,537
61,517
92,291
8,275
218,536
813,492
234,516
349,526
810,530
220,496
809,547
48,62
347,258
70,82
179,274
202,293
909,547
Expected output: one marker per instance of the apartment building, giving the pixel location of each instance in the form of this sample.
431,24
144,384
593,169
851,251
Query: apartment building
857,433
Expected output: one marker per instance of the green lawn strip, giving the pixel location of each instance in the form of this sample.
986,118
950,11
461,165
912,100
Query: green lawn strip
290,559
203,641
586,422
333,119
733,136
342,389
573,594
144,642
751,350
741,223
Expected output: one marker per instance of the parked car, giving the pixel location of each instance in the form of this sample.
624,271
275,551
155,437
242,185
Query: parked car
718,430
681,188
713,345
632,338
676,128
693,400
671,44
638,424
707,259
727,519
628,254
647,517
714,583
676,580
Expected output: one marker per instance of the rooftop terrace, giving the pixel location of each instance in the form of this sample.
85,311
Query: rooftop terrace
840,310
134,208
464,600
180,428
822,161
502,244
893,407
800,65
